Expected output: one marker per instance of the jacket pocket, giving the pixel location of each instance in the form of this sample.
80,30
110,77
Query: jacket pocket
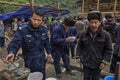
100,43
29,42
85,43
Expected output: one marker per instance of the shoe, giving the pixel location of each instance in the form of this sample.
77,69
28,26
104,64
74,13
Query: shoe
58,75
70,73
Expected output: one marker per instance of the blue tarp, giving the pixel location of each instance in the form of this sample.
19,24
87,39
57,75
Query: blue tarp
26,11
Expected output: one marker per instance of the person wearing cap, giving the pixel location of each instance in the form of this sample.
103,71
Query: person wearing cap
94,48
60,41
22,22
109,26
33,39
116,52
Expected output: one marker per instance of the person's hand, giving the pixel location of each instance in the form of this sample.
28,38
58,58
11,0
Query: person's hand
9,58
49,58
70,39
102,66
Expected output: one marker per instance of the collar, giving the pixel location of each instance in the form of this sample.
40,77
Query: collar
31,28
99,31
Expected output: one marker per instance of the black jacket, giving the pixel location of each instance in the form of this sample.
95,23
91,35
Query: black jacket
93,51
110,27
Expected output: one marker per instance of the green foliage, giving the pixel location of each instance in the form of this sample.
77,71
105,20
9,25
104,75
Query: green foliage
67,4
8,8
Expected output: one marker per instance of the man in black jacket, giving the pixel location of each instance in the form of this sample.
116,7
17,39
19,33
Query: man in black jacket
94,47
109,26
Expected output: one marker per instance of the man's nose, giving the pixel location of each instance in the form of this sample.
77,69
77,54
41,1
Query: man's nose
36,21
93,24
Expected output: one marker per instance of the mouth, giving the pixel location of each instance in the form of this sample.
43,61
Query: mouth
36,25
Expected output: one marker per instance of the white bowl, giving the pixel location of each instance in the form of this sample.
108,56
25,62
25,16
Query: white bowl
35,76
73,38
51,79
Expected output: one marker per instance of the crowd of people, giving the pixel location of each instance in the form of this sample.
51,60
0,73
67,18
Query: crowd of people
92,41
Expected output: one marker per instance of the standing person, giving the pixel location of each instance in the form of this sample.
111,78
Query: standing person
33,39
52,25
60,41
109,26
80,27
15,25
94,47
22,22
2,34
116,52
73,44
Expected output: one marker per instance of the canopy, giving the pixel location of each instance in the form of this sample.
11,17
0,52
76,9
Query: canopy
26,11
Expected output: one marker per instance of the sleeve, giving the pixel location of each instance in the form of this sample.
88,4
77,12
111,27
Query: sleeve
16,42
107,49
57,38
79,47
47,45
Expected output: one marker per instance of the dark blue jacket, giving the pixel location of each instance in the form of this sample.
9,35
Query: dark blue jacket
33,43
52,26
73,33
58,39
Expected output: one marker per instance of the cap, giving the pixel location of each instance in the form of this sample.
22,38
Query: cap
94,15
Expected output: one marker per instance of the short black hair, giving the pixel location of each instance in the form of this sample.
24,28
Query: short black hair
37,11
69,21
108,16
94,15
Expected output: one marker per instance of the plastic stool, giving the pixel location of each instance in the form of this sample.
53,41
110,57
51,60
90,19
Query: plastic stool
109,78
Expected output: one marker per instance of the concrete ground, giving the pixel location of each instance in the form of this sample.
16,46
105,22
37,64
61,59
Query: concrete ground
78,75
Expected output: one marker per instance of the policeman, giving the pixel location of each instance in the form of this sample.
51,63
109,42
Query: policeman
33,39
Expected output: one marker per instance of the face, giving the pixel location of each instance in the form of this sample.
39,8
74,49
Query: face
15,19
1,23
94,24
67,27
36,20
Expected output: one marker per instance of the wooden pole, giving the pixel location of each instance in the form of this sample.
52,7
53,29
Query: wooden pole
83,5
32,4
98,4
58,9
115,5
11,3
